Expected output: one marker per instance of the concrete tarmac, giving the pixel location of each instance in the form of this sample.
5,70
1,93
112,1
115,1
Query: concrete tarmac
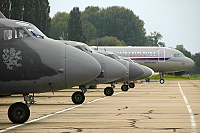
149,107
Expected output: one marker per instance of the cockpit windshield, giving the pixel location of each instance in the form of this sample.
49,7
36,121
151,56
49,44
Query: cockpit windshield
129,60
114,56
85,48
34,31
179,55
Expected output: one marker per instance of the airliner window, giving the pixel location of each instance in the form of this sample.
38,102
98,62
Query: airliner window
178,55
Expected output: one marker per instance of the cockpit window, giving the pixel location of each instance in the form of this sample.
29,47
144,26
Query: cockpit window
78,47
6,34
87,48
20,33
113,56
34,31
129,60
178,55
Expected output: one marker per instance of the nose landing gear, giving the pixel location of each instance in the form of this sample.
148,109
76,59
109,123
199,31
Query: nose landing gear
162,81
19,112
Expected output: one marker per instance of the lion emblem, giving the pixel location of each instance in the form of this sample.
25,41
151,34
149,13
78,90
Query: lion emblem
11,58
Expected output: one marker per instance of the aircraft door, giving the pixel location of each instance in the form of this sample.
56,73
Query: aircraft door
161,55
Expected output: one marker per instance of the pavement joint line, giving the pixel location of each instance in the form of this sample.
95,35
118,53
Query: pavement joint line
192,119
57,112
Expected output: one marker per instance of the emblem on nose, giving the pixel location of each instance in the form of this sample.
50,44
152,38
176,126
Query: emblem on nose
11,58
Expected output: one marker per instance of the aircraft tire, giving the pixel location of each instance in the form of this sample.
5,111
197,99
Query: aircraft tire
78,97
124,87
131,85
162,81
108,91
18,113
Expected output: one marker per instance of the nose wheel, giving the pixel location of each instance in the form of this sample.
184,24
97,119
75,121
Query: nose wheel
18,113
78,97
162,81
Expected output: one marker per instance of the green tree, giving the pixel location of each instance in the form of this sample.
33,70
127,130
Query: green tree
17,9
196,59
117,22
42,19
45,21
59,25
75,32
183,50
5,8
90,14
33,11
29,11
106,41
153,39
89,31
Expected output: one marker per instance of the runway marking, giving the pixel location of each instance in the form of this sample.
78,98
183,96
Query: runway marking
40,118
192,119
57,112
92,101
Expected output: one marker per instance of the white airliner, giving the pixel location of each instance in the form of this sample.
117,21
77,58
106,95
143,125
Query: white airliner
160,59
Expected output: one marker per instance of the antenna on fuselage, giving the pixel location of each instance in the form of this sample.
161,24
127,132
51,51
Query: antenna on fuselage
1,15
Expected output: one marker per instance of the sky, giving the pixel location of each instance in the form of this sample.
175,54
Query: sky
178,21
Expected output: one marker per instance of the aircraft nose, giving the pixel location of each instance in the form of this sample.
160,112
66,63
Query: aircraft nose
148,72
114,69
135,71
190,63
80,67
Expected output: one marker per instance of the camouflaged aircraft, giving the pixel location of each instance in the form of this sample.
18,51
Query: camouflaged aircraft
33,63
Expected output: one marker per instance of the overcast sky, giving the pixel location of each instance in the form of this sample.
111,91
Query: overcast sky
178,21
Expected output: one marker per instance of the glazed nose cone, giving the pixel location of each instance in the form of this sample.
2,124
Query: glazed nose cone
80,67
135,71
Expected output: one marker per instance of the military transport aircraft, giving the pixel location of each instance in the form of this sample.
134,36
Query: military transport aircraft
33,63
159,59
148,72
133,71
111,69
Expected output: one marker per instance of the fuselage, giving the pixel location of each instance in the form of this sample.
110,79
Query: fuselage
134,71
111,69
31,62
160,59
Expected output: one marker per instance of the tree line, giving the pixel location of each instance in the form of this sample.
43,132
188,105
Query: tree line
33,11
96,23
111,26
